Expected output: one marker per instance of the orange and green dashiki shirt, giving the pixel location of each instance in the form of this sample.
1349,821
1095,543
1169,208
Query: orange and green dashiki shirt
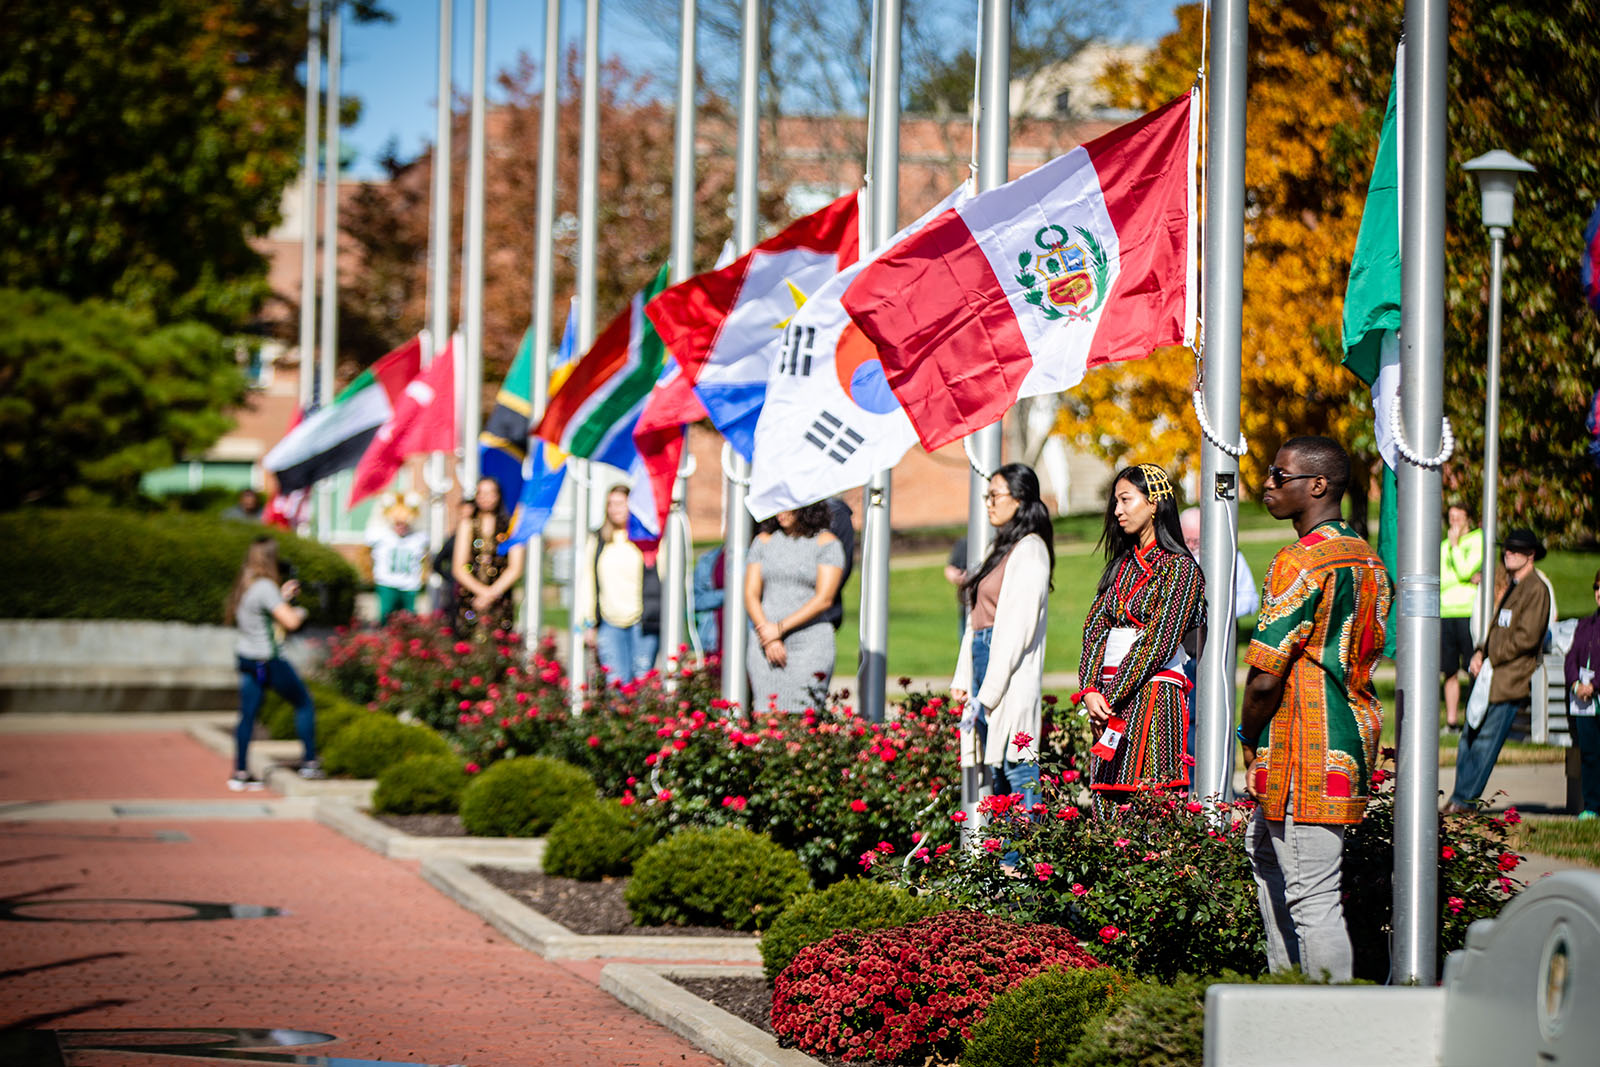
1324,609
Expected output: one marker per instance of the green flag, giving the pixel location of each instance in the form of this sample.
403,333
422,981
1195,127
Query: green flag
1372,312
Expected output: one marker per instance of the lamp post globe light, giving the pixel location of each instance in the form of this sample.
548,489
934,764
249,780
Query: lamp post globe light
1497,173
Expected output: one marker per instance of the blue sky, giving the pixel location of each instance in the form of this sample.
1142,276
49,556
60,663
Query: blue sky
393,67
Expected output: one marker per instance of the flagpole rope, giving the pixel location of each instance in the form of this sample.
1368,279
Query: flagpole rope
727,467
1447,443
1210,432
972,459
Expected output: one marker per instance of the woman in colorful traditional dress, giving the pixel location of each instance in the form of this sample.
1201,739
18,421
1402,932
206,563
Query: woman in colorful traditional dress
1001,664
486,577
1150,599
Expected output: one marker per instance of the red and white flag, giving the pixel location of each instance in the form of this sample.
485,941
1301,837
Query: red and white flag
725,326
424,420
1088,260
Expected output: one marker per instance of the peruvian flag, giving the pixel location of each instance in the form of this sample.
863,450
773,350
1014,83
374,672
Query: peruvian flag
1088,260
725,327
424,420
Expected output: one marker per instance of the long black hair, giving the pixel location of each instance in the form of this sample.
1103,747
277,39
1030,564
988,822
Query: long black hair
1032,517
1169,531
809,520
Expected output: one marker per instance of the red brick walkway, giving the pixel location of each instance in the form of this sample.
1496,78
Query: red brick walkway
366,951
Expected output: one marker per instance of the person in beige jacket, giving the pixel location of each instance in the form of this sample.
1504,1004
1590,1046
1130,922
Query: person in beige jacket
1512,648
1000,669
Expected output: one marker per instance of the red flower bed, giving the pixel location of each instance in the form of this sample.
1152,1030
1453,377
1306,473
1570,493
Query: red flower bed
911,991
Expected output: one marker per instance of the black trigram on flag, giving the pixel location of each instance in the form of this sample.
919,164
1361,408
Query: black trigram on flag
799,343
837,441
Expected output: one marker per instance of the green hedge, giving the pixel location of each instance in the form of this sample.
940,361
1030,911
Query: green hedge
1041,1019
594,840
523,797
850,905
728,877
420,785
102,563
371,744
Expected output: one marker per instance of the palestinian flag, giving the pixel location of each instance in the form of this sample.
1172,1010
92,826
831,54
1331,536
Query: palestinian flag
593,409
334,438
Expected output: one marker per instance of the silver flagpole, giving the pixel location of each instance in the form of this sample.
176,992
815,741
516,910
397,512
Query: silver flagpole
436,473
674,603
747,196
873,677
1219,469
330,259
994,158
588,258
471,402
308,212
1415,946
544,278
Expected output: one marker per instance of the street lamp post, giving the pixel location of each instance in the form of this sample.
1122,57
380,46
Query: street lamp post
1497,173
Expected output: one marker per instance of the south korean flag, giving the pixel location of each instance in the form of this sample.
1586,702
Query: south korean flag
830,421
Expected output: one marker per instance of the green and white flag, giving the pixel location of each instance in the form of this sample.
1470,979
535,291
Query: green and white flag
1372,308
334,437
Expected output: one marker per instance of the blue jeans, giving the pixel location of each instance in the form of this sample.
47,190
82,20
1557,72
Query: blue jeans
1479,749
1010,776
626,652
256,676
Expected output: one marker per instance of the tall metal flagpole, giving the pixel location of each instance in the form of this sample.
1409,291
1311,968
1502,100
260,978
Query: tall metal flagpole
435,472
544,277
1224,319
747,196
308,211
1415,949
873,676
674,603
471,402
588,258
330,259
994,160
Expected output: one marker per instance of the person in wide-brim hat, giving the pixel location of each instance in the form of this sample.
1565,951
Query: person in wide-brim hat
1524,541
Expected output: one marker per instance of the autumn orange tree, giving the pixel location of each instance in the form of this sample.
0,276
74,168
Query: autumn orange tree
1306,170
1524,75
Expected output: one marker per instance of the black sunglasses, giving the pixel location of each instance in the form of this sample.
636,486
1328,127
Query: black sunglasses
1279,476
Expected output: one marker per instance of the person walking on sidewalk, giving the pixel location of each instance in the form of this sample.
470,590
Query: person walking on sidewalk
1505,661
1460,573
1583,659
1318,637
258,604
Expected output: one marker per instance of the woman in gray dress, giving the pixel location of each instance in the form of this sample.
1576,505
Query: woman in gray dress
795,569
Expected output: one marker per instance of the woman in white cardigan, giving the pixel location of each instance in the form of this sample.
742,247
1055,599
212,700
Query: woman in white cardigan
1001,666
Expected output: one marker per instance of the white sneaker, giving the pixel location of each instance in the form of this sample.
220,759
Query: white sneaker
244,781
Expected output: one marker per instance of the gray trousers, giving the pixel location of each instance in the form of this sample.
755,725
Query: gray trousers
1297,870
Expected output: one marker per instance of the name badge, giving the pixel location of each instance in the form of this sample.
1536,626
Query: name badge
1585,676
1110,738
1504,617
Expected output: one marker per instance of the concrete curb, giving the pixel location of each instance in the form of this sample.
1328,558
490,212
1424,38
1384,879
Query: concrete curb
341,814
650,991
257,807
553,941
266,761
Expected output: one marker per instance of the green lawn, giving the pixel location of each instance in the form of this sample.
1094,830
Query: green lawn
1565,839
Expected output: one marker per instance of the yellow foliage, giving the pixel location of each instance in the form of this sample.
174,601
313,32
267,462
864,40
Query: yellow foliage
1300,230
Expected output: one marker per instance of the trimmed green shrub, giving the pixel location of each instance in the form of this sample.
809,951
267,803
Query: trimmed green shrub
596,840
103,563
1155,1025
371,743
1041,1019
728,877
523,797
852,905
420,785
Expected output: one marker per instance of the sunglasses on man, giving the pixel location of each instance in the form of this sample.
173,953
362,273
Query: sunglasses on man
1280,477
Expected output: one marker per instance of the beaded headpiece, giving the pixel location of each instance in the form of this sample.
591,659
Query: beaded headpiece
1157,486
